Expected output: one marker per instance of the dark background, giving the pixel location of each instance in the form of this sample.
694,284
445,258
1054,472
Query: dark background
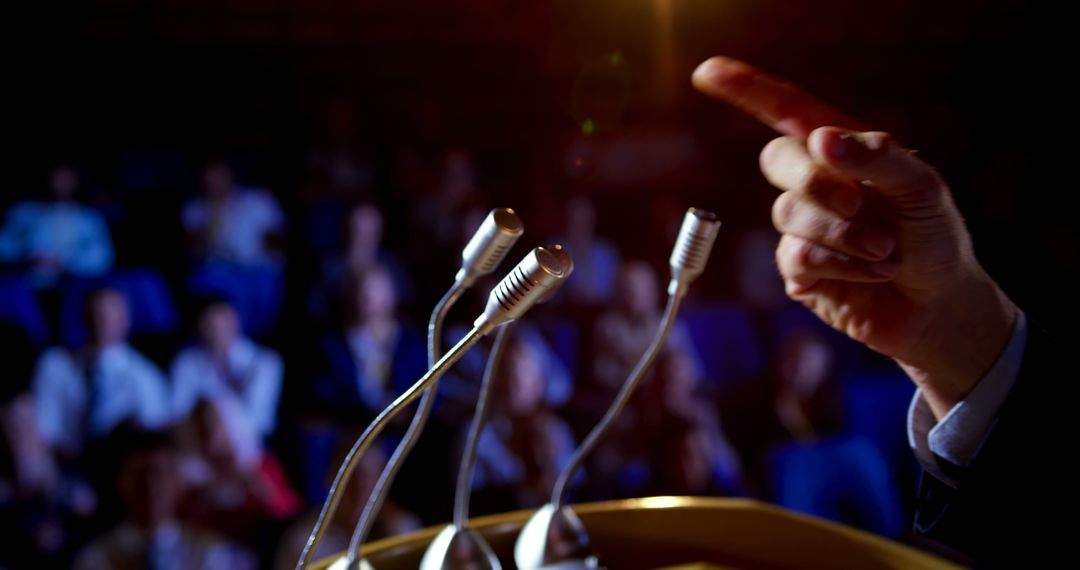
980,88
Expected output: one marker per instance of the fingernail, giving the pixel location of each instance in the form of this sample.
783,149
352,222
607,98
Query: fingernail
840,145
877,243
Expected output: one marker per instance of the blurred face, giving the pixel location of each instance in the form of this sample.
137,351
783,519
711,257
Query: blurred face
805,364
150,487
525,384
217,180
110,320
639,289
376,298
63,182
365,226
219,327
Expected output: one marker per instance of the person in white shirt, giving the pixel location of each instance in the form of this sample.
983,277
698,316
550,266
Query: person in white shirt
225,364
233,223
84,394
58,236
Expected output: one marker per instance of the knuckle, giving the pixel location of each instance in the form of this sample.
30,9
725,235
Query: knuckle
838,232
783,211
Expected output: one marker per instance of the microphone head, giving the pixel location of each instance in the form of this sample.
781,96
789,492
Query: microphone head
568,263
489,245
455,548
692,247
540,271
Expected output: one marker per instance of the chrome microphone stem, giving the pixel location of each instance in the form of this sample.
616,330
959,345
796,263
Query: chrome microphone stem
558,495
375,428
381,489
463,492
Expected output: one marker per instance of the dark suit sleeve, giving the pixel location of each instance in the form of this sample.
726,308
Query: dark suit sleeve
1012,504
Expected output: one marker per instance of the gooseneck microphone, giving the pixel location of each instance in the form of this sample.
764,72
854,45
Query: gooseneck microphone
512,297
554,530
457,543
485,251
462,493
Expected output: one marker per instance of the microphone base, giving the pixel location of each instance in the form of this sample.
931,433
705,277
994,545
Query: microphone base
554,539
459,549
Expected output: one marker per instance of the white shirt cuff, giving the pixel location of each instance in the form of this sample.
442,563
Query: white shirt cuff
959,435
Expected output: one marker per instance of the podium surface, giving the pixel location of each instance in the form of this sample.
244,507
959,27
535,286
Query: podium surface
686,533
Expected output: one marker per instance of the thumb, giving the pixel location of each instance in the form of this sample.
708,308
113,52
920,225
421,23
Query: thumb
879,162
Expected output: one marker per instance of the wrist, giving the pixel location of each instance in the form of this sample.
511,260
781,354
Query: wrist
969,329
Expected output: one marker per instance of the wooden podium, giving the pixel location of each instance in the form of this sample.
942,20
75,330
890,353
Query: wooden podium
687,533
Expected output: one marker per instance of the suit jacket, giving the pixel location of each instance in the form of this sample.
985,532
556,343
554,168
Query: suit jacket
1012,505
335,390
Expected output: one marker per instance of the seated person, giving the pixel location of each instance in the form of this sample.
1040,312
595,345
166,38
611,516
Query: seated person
234,485
151,534
363,250
224,363
596,260
621,335
43,502
524,444
373,358
233,223
58,236
81,395
675,414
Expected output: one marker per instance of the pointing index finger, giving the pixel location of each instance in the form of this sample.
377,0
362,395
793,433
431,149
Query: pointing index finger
777,103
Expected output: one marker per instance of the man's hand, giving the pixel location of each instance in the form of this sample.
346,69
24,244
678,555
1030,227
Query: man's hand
872,241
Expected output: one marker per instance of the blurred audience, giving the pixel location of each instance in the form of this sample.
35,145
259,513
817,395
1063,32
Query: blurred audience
391,520
224,364
373,357
596,260
43,500
233,485
151,535
214,494
82,394
57,236
439,214
524,444
819,468
624,332
233,223
683,421
363,251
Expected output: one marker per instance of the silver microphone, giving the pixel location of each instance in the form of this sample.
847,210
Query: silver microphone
489,245
511,298
544,538
487,248
692,248
541,270
457,543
